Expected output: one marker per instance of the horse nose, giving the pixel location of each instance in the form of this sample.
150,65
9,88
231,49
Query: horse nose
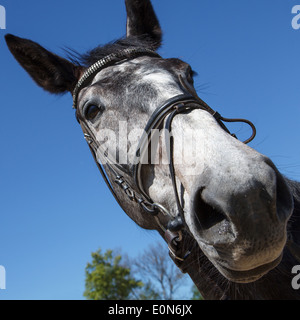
250,203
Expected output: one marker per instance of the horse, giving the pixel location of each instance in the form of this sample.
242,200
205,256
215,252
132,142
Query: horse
231,220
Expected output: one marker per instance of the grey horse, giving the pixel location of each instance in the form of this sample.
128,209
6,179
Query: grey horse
229,217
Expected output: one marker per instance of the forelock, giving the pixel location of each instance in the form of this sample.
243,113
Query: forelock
98,53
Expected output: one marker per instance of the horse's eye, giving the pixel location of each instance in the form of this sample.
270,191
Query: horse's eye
92,111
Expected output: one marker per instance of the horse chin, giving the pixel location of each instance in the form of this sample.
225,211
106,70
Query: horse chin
245,276
248,276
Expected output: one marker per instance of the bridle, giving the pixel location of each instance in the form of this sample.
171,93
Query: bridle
175,230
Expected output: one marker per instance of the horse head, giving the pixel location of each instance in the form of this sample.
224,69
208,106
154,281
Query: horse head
199,181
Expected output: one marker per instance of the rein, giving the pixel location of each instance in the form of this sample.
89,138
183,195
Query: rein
175,231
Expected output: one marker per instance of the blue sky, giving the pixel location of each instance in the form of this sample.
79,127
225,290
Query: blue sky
55,209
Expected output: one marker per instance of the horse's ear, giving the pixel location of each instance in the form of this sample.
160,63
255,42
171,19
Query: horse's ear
51,72
142,20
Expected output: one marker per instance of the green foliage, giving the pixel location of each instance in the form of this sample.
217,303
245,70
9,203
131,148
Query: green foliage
196,293
147,293
107,279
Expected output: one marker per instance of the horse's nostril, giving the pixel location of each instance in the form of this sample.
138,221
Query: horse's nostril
207,215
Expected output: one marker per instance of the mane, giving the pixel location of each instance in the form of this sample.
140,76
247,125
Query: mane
295,188
96,54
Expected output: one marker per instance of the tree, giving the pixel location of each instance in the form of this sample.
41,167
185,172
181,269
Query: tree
112,277
160,273
107,279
